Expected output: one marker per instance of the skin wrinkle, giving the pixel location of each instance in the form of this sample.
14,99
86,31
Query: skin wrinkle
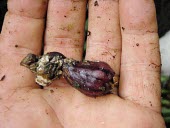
19,8
139,32
139,67
23,50
22,15
53,111
110,53
26,106
140,95
65,42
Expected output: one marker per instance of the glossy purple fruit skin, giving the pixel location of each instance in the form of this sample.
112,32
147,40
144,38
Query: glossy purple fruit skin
91,78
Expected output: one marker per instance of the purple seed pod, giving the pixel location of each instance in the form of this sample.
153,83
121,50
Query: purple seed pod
91,78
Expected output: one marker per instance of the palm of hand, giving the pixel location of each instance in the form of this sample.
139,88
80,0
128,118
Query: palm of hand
67,108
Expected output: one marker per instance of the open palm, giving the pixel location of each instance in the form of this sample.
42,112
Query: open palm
119,31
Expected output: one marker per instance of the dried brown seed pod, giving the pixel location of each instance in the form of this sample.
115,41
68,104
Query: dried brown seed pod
47,67
30,62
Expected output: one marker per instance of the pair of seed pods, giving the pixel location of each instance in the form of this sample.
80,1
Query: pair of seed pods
89,77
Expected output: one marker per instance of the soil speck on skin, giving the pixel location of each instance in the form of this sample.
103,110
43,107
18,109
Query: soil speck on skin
137,44
150,103
123,28
154,65
22,10
148,31
69,27
52,91
46,111
96,3
74,8
98,17
104,53
88,33
16,46
2,78
23,99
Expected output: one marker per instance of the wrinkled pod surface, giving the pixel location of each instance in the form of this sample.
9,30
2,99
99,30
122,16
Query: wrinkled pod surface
91,78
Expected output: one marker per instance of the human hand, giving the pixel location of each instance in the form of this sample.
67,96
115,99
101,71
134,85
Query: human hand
130,25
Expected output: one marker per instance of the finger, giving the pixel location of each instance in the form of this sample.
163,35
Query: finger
104,39
140,64
21,34
65,27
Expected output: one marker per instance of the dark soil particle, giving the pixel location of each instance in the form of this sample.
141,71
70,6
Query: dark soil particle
96,3
46,112
74,8
88,33
150,103
123,28
2,78
137,44
52,91
155,65
150,31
